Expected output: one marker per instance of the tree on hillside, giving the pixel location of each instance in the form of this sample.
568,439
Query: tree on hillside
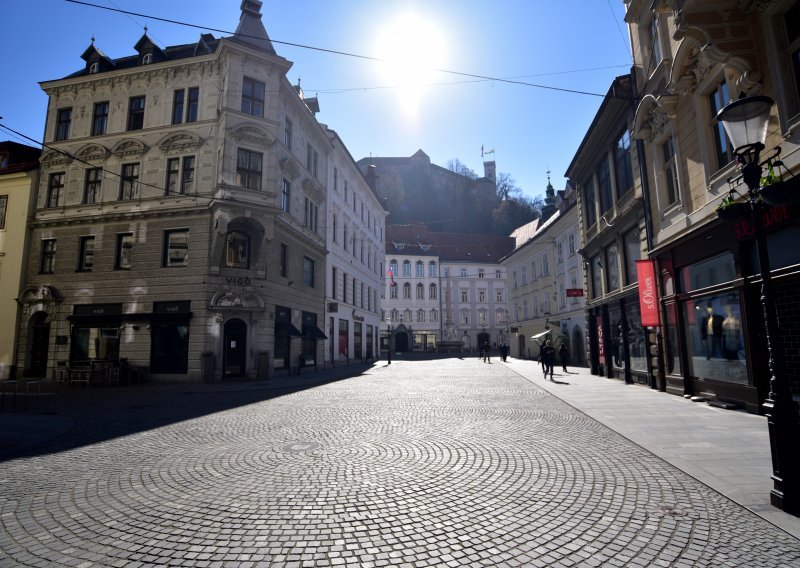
515,212
506,186
455,165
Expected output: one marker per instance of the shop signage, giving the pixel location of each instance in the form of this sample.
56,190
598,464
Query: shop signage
176,307
772,216
574,292
601,352
237,280
357,317
98,310
648,294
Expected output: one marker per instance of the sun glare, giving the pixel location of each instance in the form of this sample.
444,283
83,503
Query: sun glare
412,49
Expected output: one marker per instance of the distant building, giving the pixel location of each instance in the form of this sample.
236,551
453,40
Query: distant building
416,191
545,280
444,287
354,264
19,178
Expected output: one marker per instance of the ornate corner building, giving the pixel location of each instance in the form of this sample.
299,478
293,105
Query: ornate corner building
180,214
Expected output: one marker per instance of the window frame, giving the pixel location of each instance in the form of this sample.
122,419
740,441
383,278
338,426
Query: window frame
119,255
246,176
3,211
136,113
63,123
100,119
92,185
86,254
129,181
55,188
170,246
47,256
231,239
308,272
251,103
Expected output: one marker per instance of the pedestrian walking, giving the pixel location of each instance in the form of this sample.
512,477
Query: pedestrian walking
486,354
504,351
548,358
563,354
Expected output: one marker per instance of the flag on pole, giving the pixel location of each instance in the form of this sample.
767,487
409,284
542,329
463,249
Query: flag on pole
391,279
483,153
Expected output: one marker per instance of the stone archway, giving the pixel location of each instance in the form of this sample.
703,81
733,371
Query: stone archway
401,342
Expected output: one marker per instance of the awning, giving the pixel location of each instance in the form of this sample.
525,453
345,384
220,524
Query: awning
540,336
313,332
288,327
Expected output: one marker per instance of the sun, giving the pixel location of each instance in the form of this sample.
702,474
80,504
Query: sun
411,49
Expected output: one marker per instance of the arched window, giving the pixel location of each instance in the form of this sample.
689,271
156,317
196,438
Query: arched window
393,267
420,291
394,315
147,59
420,315
407,268
432,292
434,315
94,68
407,315
237,250
420,269
432,269
406,291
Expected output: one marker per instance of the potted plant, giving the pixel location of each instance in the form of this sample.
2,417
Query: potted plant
775,191
731,210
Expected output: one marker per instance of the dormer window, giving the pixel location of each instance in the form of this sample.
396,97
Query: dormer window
147,59
94,68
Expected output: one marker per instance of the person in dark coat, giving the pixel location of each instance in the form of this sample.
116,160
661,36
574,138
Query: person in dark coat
548,358
563,354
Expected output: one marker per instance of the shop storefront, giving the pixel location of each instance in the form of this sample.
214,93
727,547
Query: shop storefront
714,344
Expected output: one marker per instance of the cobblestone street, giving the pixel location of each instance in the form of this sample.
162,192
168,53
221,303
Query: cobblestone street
441,463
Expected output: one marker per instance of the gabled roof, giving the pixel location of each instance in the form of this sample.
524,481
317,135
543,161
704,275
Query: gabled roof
417,239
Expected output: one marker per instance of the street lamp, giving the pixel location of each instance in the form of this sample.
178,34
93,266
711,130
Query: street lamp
745,121
388,343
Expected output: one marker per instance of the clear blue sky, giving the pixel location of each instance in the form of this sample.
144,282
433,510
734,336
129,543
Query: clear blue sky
570,44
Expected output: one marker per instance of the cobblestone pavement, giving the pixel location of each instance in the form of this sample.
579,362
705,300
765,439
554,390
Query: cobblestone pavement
443,463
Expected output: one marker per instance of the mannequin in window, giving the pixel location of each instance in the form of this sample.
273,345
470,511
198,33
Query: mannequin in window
731,328
711,333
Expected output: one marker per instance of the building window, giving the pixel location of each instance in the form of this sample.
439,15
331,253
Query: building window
193,107
464,296
571,244
311,215
434,315
253,97
432,292
420,269
464,318
499,296
136,113
3,209
463,273
589,206
622,164
129,182
237,250
287,139
559,253
545,266
406,291
63,122
407,268
47,262
498,274
612,267
514,279
178,106
248,169
308,272
124,251
420,291
604,185
176,248
482,296
392,292
670,169
94,68
717,99
481,273
420,315
633,252
284,260
432,269
524,275
92,185
147,59
54,189
654,47
286,196
180,180
100,118
86,254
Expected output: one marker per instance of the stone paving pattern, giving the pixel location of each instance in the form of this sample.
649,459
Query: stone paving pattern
443,463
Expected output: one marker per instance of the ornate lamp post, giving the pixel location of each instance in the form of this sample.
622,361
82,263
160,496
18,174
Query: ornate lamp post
745,121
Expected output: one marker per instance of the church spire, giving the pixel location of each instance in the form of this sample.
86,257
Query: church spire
251,29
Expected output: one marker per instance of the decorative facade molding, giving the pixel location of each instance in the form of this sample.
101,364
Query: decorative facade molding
237,300
180,142
55,159
92,151
128,148
290,168
251,133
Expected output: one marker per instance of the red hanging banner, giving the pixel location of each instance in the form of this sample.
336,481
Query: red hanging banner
601,351
648,293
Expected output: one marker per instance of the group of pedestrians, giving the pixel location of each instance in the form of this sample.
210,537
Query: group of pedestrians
486,351
547,357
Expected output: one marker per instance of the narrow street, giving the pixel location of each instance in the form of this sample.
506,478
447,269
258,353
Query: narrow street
449,462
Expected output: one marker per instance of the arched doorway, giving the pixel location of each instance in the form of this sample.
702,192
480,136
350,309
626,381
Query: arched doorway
234,352
521,346
38,345
578,352
483,338
401,342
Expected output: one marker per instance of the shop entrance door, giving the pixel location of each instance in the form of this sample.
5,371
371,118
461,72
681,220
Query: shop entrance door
39,345
235,348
